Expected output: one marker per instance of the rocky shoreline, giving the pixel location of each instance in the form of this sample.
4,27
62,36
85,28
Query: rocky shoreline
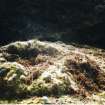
36,68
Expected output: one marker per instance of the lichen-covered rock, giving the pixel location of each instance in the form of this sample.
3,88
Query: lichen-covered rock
10,74
27,49
44,68
54,81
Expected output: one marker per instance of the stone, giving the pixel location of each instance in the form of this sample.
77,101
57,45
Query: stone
49,69
45,99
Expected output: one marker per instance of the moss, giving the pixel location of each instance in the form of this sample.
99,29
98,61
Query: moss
49,88
11,84
58,89
38,89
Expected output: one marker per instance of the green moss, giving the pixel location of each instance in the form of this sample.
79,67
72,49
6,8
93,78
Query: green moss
38,89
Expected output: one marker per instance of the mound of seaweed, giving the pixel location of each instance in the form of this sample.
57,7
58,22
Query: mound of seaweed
42,68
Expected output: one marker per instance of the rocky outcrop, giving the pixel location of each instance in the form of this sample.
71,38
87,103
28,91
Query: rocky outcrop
44,68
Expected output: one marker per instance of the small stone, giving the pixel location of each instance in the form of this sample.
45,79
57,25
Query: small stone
45,99
47,77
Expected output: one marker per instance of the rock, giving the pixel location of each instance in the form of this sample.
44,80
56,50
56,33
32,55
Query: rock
46,77
45,99
49,69
28,49
10,74
3,72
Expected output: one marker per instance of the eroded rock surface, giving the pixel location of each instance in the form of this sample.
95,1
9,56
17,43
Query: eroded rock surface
44,68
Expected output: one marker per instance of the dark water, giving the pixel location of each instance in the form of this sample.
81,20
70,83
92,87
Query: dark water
66,20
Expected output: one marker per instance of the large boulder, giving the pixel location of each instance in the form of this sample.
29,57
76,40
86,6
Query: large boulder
43,68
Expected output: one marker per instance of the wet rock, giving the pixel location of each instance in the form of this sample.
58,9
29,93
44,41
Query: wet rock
45,68
45,99
10,74
46,77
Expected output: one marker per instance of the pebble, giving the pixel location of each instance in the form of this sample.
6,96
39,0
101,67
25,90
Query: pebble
45,99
